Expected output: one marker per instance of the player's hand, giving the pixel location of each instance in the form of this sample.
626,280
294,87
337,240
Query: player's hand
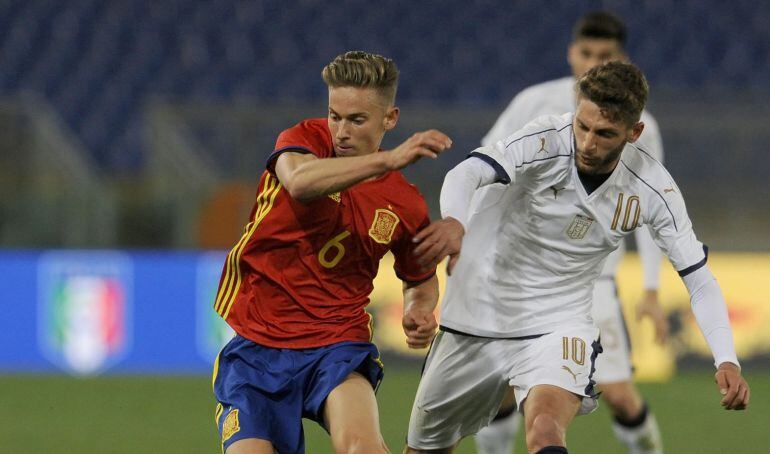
732,387
440,239
650,307
419,327
425,144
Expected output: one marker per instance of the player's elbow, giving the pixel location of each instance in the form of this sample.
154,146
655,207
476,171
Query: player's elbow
299,190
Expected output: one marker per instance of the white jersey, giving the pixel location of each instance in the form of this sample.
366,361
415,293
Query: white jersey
556,97
535,244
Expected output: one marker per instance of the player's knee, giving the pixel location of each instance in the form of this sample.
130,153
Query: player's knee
545,431
354,441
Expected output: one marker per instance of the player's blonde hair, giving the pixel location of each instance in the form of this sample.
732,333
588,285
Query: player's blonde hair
363,70
618,88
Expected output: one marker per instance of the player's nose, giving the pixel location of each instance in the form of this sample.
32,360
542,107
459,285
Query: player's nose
343,130
589,142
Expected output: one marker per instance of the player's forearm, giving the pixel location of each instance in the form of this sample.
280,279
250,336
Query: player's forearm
651,257
422,297
710,311
321,177
459,185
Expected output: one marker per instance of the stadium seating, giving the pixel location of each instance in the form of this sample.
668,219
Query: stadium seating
100,61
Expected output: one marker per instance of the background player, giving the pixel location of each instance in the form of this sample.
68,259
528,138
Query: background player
537,215
598,37
295,287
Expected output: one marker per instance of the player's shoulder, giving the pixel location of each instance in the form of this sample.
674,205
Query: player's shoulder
554,129
400,191
644,170
397,181
311,135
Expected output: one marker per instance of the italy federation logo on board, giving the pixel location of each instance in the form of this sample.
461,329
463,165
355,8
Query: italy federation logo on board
579,227
84,301
211,331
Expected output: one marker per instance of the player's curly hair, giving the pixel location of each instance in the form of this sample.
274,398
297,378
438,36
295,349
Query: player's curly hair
364,70
618,88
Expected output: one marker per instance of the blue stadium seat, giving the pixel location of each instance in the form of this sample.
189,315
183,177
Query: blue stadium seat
98,61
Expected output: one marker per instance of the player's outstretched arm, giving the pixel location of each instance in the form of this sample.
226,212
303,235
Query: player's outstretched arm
443,238
710,310
306,177
419,322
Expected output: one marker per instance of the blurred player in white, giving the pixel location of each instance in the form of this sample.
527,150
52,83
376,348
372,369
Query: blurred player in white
598,37
537,215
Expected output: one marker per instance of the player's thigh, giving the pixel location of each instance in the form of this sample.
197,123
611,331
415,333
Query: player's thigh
564,358
557,403
259,394
460,391
351,409
251,446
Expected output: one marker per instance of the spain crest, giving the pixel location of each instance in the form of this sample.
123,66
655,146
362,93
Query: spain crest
383,226
231,425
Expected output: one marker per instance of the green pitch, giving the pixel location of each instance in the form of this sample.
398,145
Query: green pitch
142,414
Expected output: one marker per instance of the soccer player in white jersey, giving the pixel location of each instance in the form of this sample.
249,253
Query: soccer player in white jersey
598,37
536,216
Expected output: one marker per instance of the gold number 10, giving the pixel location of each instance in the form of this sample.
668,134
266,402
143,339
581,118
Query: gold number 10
631,215
578,349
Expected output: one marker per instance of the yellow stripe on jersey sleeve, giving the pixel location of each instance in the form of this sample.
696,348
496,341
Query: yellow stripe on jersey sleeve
231,282
218,413
230,263
259,216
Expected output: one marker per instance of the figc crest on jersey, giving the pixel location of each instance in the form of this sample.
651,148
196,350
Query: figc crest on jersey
383,226
579,227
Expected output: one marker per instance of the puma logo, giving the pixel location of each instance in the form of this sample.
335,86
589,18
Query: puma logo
574,375
542,145
667,190
556,191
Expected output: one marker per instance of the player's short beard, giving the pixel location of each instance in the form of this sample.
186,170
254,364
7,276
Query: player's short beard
604,166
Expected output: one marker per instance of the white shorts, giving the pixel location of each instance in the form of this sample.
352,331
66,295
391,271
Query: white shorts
466,377
614,364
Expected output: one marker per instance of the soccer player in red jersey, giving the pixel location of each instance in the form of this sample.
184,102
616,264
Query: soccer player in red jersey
295,287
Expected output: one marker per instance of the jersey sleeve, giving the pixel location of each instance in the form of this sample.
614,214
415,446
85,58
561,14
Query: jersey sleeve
672,230
309,136
537,142
406,267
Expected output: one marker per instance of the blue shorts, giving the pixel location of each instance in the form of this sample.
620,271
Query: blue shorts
265,392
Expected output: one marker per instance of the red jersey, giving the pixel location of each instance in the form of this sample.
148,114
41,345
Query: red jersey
301,274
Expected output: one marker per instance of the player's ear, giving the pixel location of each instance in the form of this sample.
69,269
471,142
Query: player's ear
571,53
636,131
391,118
